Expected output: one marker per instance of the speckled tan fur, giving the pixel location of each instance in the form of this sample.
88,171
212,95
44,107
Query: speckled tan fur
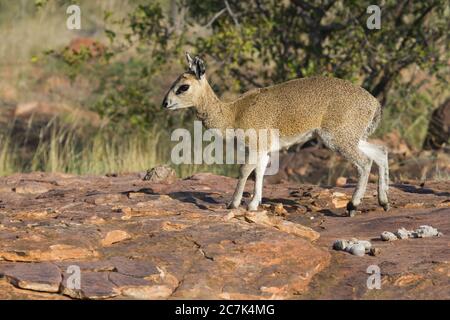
292,107
301,105
338,112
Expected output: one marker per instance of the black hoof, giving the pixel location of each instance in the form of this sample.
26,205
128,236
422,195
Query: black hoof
385,206
351,209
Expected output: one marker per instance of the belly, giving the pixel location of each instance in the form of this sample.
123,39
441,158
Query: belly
287,141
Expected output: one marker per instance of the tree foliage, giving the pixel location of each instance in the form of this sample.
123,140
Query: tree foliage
268,41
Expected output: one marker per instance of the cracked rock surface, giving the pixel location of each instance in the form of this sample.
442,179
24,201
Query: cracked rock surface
136,239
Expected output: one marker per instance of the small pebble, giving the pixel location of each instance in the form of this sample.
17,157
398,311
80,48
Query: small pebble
403,233
374,251
427,231
367,245
340,245
279,209
414,234
341,181
421,232
353,246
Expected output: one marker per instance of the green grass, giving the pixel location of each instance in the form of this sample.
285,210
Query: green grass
73,148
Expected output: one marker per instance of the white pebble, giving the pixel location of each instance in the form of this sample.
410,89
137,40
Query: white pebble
357,249
367,245
340,244
403,233
353,246
388,236
426,231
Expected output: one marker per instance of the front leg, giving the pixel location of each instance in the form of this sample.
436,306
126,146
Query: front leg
244,172
263,161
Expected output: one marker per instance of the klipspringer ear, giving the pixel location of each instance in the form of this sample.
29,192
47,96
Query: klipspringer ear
189,59
199,67
196,65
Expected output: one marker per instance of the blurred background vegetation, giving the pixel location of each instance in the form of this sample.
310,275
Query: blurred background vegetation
88,101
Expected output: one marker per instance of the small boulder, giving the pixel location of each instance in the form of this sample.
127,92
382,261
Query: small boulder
160,174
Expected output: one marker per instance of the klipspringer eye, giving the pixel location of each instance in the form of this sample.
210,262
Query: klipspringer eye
182,88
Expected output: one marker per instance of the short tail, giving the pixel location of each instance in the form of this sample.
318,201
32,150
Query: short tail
375,121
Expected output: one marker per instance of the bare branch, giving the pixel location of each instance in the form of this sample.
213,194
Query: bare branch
217,15
233,16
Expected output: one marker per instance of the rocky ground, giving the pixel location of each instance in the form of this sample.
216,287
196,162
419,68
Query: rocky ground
133,238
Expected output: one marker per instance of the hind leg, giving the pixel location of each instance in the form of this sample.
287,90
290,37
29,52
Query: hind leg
363,166
379,155
263,160
350,151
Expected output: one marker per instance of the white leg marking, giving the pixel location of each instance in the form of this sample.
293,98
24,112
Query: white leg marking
244,172
263,160
380,156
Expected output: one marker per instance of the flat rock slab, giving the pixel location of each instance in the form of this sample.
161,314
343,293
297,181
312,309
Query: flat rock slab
93,285
43,276
128,238
134,239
